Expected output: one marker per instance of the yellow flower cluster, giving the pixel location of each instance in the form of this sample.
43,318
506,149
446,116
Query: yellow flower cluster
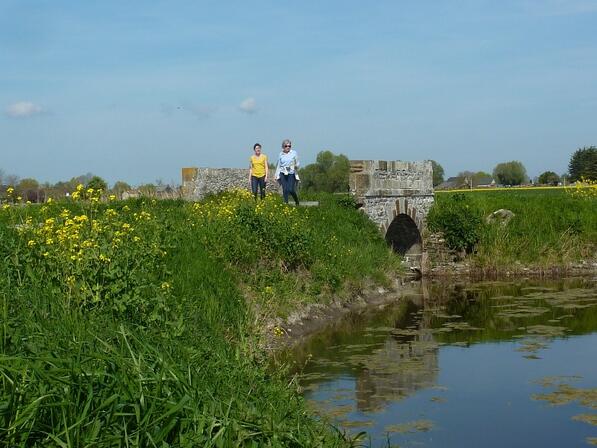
584,188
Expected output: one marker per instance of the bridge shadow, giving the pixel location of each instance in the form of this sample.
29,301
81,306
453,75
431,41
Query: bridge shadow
404,237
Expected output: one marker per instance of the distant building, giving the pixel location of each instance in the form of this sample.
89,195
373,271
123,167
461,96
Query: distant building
485,182
451,184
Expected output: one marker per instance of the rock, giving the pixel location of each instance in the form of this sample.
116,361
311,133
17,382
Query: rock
501,216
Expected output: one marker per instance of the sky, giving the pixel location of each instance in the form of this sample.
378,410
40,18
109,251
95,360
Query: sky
136,90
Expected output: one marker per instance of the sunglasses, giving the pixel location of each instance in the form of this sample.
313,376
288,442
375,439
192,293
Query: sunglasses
287,146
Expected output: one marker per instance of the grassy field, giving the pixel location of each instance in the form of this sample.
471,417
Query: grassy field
552,226
134,323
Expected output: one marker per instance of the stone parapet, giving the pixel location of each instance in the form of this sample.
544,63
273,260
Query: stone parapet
390,178
200,182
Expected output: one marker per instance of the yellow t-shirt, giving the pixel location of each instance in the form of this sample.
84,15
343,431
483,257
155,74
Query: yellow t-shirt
258,165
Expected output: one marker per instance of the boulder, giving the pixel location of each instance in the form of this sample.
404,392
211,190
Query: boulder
501,216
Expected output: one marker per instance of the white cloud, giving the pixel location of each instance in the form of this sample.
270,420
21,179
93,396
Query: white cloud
248,105
23,109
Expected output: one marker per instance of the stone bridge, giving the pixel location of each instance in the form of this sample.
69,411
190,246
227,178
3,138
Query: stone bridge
397,196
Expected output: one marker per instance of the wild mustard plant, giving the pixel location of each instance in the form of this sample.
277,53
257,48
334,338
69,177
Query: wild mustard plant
95,256
583,189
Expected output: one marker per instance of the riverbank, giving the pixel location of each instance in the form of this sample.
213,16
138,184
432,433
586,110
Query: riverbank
513,232
163,310
156,307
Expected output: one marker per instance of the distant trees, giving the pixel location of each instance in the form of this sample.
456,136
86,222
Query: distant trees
583,163
472,178
97,183
329,173
438,173
29,190
120,187
548,178
510,173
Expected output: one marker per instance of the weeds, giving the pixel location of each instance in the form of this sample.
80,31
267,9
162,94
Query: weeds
126,324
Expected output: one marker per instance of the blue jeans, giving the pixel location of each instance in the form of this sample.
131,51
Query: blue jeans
258,182
288,183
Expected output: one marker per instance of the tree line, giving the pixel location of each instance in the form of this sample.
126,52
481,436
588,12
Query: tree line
582,165
30,189
329,173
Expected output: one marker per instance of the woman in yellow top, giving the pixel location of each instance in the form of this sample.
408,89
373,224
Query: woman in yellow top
258,171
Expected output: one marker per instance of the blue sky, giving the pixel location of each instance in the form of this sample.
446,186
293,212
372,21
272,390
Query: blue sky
136,90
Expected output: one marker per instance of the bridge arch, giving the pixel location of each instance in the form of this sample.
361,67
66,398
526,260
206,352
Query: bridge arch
397,196
403,236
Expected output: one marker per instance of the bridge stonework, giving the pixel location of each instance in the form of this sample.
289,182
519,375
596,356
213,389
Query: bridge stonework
397,196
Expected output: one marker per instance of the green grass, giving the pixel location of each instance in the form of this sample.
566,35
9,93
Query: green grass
551,227
170,359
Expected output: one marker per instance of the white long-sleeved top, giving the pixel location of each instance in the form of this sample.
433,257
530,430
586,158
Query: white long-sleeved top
288,163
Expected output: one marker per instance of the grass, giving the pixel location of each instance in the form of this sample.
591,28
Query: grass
551,227
134,323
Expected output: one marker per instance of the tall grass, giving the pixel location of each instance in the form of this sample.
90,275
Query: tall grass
80,366
551,228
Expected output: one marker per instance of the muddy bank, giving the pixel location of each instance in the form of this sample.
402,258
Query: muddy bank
469,269
302,323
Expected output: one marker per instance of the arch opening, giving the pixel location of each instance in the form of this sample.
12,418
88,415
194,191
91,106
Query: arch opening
404,236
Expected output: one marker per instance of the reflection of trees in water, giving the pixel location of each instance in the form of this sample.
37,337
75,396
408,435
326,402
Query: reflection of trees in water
402,366
393,352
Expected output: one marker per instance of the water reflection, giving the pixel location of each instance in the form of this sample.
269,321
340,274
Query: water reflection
363,370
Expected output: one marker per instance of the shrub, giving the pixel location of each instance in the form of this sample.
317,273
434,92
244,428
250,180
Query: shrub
458,220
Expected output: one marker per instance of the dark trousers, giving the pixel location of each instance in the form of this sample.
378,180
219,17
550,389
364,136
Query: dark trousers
288,183
258,182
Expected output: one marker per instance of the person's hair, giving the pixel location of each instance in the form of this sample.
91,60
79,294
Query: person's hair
286,142
256,145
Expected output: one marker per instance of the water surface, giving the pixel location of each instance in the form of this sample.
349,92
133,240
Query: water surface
486,364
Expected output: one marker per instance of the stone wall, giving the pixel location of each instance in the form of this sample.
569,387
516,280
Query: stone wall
390,178
199,182
382,210
388,188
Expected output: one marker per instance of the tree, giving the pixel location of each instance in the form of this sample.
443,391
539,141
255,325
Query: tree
11,179
548,178
471,178
120,187
329,173
510,173
438,173
28,188
27,184
83,179
583,164
97,183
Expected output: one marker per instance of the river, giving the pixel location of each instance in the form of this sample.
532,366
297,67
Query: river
489,364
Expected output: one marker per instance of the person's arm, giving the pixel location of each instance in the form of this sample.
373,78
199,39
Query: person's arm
266,168
296,160
277,173
250,169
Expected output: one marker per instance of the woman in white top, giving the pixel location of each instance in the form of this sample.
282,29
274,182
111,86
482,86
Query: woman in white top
286,171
